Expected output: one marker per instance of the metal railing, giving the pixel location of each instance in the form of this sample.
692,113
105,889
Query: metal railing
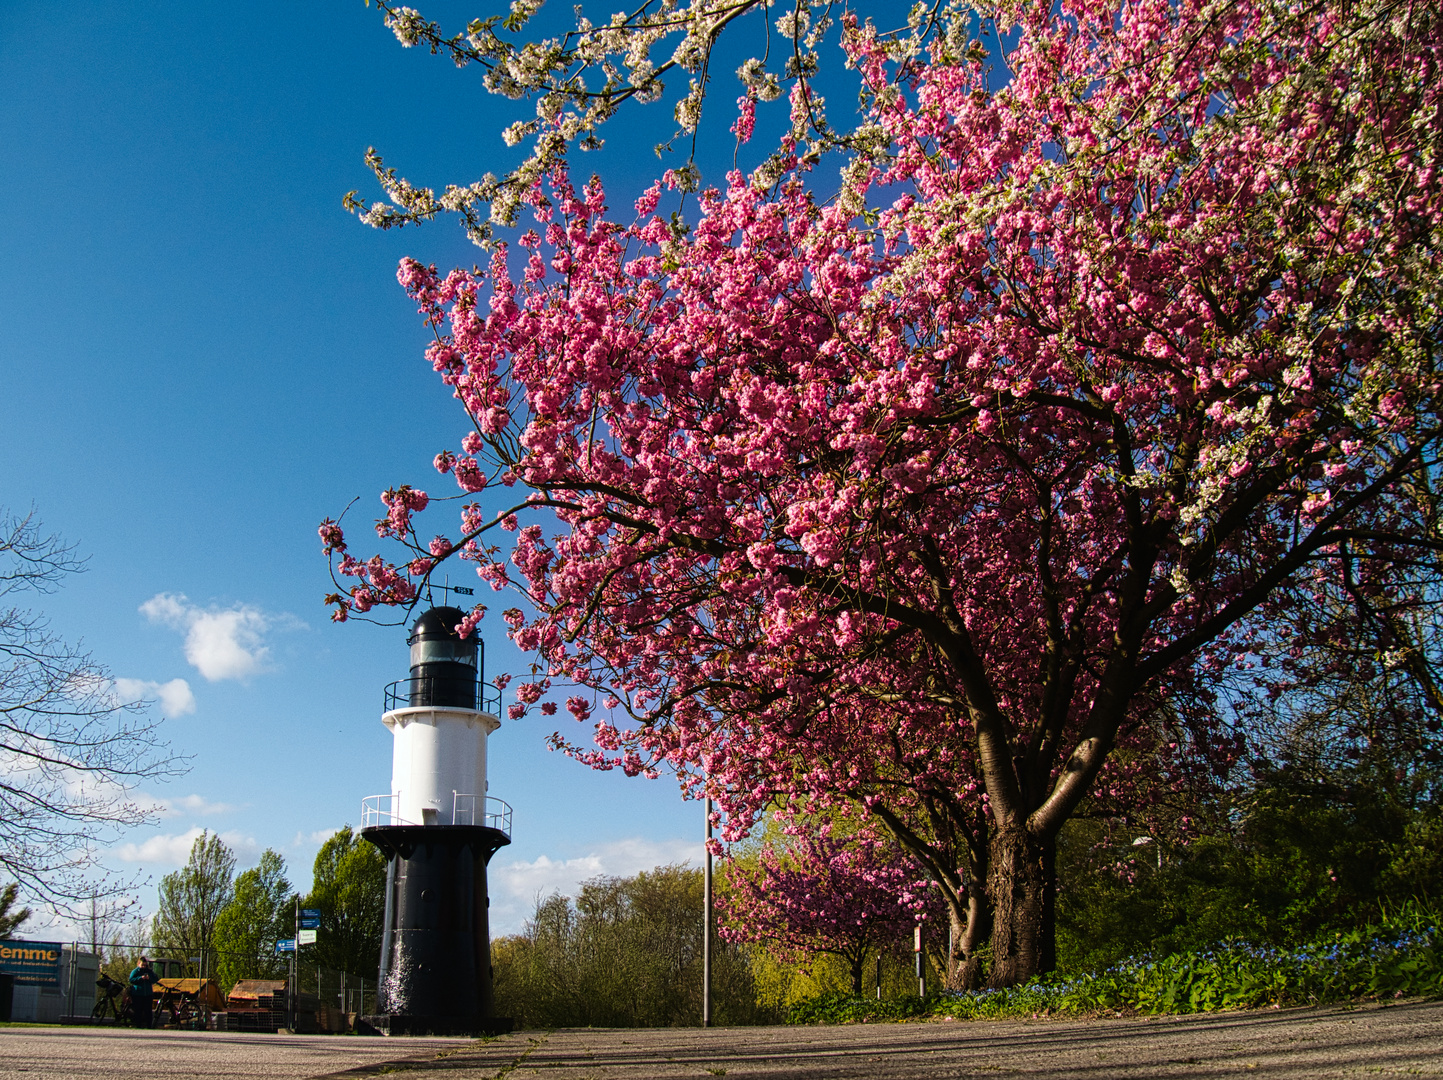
381,810
466,809
398,694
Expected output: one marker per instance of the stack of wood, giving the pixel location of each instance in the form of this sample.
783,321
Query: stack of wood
256,1005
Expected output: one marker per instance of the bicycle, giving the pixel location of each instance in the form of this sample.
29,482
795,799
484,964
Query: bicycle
112,1002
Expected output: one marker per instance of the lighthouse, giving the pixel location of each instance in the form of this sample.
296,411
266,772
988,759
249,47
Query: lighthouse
438,829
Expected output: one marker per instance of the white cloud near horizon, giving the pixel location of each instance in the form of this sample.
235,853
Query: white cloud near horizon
314,839
175,697
220,643
197,805
173,849
515,886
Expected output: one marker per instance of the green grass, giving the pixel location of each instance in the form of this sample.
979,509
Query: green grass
1403,958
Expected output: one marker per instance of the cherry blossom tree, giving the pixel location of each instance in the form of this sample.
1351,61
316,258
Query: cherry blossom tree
581,76
827,893
946,496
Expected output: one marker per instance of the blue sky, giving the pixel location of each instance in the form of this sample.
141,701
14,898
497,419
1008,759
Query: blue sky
203,355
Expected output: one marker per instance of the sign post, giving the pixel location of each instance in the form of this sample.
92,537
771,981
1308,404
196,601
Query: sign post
295,973
921,960
308,920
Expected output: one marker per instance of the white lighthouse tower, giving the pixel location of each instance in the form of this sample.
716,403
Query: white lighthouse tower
438,829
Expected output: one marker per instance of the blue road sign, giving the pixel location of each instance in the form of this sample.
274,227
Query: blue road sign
310,922
286,945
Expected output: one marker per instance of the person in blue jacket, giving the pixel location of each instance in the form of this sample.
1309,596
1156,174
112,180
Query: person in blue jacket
142,979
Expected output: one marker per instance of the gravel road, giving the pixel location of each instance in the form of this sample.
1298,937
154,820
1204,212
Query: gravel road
1403,1039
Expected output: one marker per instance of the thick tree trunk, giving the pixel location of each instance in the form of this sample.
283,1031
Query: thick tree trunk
857,962
1020,881
969,934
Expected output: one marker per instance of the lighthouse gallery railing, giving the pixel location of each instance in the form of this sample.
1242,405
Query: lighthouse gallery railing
466,809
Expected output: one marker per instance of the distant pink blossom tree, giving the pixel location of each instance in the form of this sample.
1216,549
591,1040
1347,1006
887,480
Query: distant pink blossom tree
946,497
849,896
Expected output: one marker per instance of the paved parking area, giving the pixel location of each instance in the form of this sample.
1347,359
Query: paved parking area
1293,1044
1290,1044
94,1053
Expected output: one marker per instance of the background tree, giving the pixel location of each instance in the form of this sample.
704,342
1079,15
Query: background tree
101,919
190,901
69,751
625,953
948,495
825,892
126,947
259,914
11,916
349,889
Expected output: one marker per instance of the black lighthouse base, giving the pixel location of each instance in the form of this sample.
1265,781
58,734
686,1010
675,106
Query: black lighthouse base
435,976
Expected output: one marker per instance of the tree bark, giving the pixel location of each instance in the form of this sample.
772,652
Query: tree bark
969,934
1019,883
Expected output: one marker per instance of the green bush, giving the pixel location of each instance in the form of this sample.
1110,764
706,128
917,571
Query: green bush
841,1008
1299,865
1401,958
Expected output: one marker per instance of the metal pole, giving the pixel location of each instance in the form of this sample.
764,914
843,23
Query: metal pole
706,927
295,970
879,976
921,970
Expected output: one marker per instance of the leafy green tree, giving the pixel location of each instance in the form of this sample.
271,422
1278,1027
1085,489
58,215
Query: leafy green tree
258,915
10,920
627,952
191,900
1288,860
349,889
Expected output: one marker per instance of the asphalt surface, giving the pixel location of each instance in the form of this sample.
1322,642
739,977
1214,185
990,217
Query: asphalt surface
96,1053
1403,1039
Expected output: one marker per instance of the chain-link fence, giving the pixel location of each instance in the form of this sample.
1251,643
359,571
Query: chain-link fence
91,982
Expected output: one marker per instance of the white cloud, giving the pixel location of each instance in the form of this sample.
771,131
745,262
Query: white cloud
222,643
174,849
175,697
514,886
193,805
313,839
